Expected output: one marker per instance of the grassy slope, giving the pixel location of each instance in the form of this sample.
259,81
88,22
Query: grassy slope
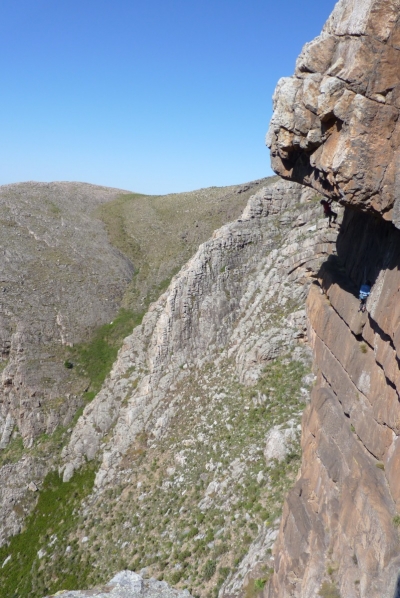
167,532
160,233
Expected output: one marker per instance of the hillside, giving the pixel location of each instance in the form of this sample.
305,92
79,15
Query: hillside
234,431
217,371
64,278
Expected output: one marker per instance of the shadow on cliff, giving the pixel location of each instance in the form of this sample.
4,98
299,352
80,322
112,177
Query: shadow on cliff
365,246
397,588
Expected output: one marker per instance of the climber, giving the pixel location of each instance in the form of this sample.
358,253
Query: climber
365,291
328,212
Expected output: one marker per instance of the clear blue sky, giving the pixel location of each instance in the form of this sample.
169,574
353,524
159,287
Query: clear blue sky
148,95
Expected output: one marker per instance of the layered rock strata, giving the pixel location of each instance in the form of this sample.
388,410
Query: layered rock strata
336,121
335,128
339,526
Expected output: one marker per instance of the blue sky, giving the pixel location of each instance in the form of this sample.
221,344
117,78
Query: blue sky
153,96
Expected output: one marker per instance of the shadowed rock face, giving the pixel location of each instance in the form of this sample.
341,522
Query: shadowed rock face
336,121
335,128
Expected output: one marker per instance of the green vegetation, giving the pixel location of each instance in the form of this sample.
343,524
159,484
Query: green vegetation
255,586
165,523
209,569
329,590
396,520
48,529
259,584
13,452
95,358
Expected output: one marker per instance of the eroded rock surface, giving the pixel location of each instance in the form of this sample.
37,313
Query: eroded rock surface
60,278
127,584
335,128
339,525
222,300
336,121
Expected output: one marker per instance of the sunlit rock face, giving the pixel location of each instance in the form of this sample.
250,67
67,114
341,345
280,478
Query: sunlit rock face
335,128
336,125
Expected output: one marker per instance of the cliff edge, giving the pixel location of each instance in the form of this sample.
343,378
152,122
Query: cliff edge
335,128
336,121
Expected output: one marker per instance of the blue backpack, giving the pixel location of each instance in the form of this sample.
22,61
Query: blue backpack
364,291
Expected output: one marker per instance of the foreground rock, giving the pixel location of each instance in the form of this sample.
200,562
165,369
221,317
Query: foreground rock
335,128
127,584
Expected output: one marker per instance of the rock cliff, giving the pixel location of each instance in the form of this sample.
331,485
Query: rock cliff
335,128
193,440
336,121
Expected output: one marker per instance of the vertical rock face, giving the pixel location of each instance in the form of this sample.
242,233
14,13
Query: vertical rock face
336,121
335,128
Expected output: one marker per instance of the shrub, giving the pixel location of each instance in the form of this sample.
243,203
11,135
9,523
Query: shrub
396,520
259,584
329,590
176,577
209,569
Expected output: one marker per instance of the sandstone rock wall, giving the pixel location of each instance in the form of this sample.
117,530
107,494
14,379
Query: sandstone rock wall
336,121
335,128
339,525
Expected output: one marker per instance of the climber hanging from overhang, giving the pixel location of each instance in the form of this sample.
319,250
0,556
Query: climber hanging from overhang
328,212
364,293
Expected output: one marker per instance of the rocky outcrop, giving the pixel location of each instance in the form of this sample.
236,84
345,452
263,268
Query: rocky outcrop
335,128
340,521
218,302
127,584
336,121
